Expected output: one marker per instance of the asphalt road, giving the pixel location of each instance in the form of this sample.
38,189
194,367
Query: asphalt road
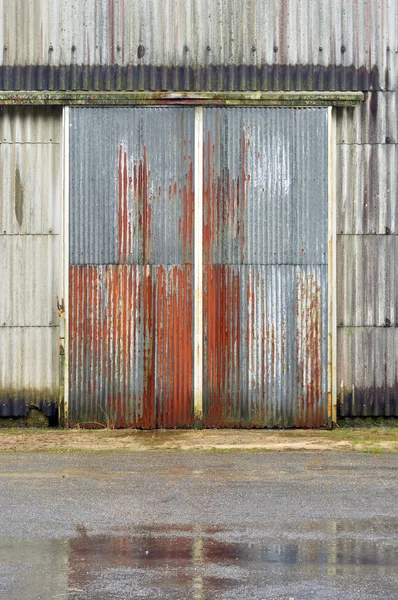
197,526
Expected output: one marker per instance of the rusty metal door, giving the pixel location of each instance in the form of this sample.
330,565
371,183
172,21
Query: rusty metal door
265,273
143,349
130,277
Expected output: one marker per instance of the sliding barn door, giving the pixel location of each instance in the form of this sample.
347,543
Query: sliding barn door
265,234
131,255
264,283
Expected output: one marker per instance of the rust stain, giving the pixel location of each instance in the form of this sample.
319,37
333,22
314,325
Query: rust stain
135,209
131,345
188,203
224,205
222,309
309,351
124,224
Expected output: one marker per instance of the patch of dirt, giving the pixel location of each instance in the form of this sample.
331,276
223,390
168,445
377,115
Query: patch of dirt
376,440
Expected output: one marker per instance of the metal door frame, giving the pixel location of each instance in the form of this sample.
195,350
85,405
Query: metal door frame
332,271
63,416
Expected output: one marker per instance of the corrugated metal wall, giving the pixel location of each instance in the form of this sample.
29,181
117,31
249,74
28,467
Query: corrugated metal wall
367,281
198,44
131,234
265,255
259,45
30,249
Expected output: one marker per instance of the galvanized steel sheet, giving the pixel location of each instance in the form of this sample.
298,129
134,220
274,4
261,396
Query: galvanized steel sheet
30,251
29,370
265,274
265,186
30,181
367,281
30,280
131,188
30,124
265,351
131,353
367,372
367,188
131,234
374,121
198,44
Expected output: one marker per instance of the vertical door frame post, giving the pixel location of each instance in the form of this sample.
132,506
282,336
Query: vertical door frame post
198,270
65,262
332,271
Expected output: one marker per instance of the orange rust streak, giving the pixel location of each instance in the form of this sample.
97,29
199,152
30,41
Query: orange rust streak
146,211
126,223
176,340
243,192
170,346
188,207
96,332
207,206
149,327
309,344
161,350
120,205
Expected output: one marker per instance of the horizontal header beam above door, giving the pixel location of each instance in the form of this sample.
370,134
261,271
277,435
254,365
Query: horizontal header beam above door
299,99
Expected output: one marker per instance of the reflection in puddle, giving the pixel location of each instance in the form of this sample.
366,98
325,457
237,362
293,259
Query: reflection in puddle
202,562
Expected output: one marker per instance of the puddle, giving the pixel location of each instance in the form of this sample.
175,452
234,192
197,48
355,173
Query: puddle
199,563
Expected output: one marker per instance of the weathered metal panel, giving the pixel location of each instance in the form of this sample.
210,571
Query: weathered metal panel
30,249
131,345
367,280
367,371
374,121
131,190
262,192
30,172
131,279
265,273
29,370
367,188
197,44
29,124
30,280
265,346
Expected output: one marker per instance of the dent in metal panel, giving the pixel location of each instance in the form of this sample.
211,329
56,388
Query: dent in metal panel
367,372
30,280
374,121
265,186
30,188
367,189
198,44
29,370
265,350
131,201
367,292
131,346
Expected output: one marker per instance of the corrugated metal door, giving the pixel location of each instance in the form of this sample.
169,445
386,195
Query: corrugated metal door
130,301
265,233
265,271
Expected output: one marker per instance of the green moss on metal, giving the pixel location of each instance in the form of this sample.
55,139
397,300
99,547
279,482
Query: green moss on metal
295,99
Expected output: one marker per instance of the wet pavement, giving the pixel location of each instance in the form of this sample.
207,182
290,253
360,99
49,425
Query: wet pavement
198,526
